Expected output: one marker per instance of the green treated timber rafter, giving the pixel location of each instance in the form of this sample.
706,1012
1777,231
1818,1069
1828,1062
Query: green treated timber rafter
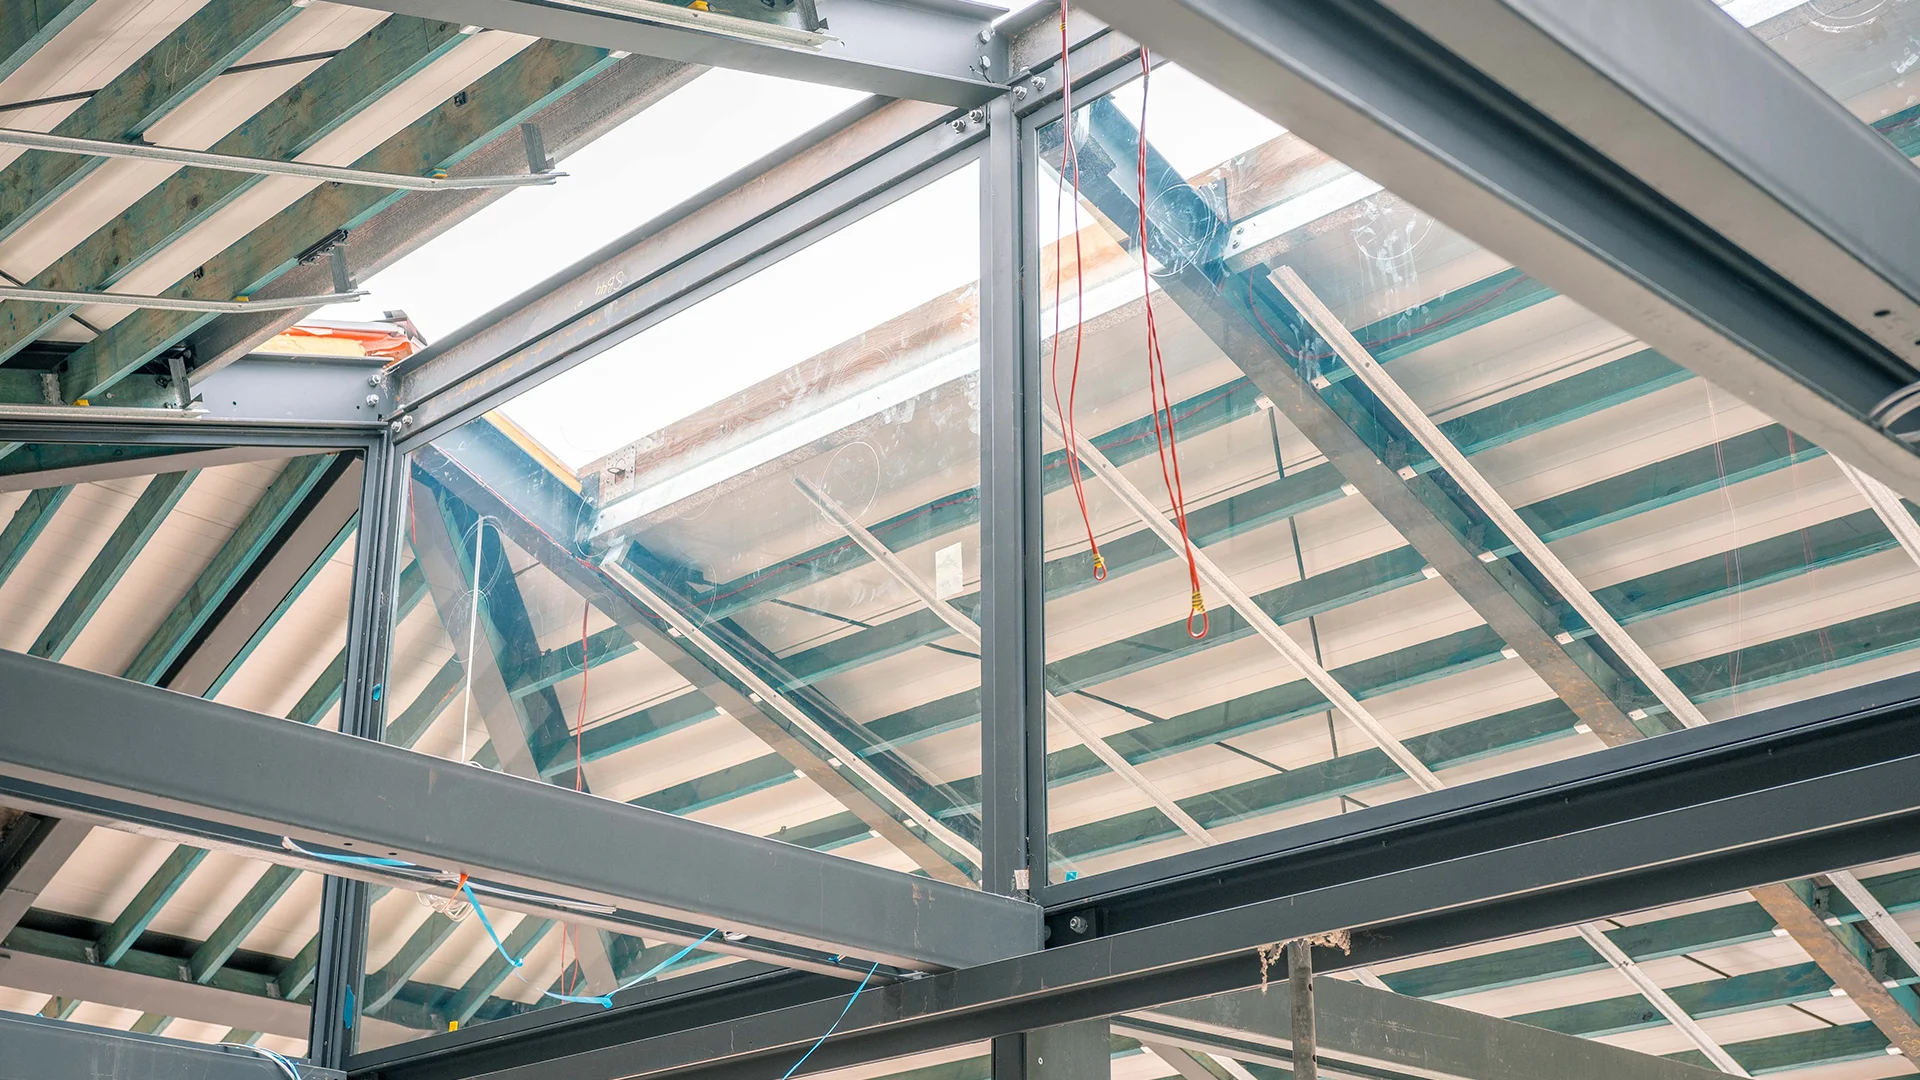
332,94
207,43
384,984
1773,559
26,25
493,105
29,520
156,501
140,912
280,610
324,693
230,565
1270,503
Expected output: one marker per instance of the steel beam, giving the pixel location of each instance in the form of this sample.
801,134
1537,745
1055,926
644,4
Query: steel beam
961,624
1229,313
231,768
50,1050
1363,86
1359,1026
208,159
1848,972
673,260
602,104
922,49
542,519
1660,999
43,466
1263,624
1705,113
142,520
505,96
32,851
1702,811
209,42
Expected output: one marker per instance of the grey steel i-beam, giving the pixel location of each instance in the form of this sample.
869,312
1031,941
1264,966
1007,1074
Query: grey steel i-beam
1365,87
31,1046
76,737
928,50
1711,117
1358,1026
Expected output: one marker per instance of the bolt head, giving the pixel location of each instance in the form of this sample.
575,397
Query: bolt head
1079,924
1019,93
1038,82
373,401
960,125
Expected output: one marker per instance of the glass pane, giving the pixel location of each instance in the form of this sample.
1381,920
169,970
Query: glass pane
1863,52
721,471
223,572
1374,629
697,135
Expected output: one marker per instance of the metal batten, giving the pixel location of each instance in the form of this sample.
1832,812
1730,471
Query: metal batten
795,715
1661,1000
1877,916
712,22
970,630
1256,617
175,303
1422,427
206,159
1886,503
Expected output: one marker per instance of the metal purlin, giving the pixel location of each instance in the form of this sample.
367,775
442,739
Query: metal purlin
1404,408
970,630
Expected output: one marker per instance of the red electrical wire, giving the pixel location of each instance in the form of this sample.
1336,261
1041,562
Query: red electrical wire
1163,433
1070,167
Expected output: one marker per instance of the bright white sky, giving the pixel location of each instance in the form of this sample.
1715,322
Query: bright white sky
718,123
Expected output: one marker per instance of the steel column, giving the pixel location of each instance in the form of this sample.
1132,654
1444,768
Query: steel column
344,902
1012,742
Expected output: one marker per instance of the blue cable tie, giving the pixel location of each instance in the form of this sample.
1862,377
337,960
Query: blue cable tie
836,1023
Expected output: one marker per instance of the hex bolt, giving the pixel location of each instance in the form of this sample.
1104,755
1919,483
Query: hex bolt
1038,82
1019,93
373,401
1079,924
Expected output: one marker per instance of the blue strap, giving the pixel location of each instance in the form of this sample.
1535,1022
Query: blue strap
836,1023
350,860
665,964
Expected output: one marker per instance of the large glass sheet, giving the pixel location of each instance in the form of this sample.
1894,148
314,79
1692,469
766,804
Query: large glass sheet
727,472
218,571
711,123
1863,52
1384,635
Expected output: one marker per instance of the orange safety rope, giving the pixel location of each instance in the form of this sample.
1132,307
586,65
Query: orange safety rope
1070,167
1163,433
